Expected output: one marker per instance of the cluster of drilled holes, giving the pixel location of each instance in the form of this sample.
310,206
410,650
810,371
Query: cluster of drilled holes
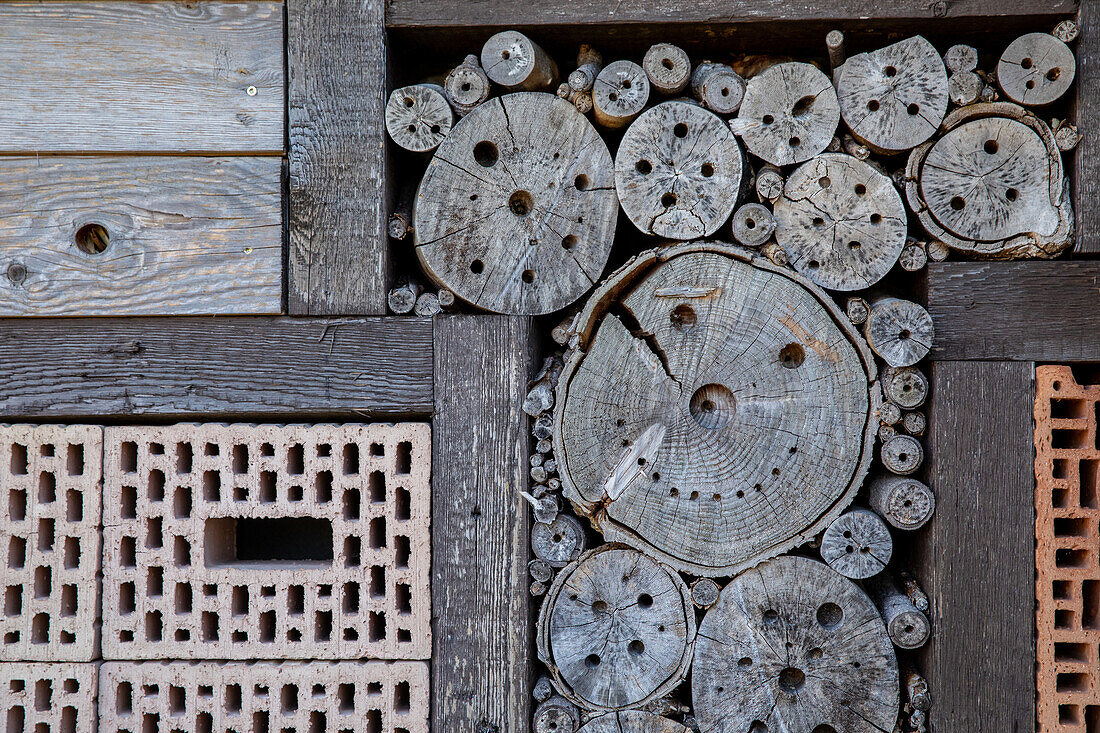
683,318
92,238
680,129
829,615
486,154
792,355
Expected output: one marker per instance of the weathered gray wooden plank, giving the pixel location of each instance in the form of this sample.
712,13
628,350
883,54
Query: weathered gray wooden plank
1086,173
481,631
979,554
216,368
1015,311
159,76
187,236
339,259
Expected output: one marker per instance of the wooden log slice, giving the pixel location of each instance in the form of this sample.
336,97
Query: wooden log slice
842,222
717,411
556,715
517,63
467,86
893,99
620,94
899,331
718,87
902,454
558,543
793,646
418,117
752,224
907,387
678,172
516,212
904,502
1036,69
789,114
857,544
633,721
668,68
616,629
907,626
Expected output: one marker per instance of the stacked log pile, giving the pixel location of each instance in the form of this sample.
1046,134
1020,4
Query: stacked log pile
728,433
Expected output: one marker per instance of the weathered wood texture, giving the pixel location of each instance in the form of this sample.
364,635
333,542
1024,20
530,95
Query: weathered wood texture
338,256
1086,169
481,631
157,76
1015,311
186,236
979,551
214,367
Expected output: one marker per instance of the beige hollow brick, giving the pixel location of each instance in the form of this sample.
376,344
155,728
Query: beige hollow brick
54,697
50,479
203,697
266,542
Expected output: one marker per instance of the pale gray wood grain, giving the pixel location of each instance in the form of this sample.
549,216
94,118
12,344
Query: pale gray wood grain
789,114
1036,69
158,76
857,544
633,721
187,235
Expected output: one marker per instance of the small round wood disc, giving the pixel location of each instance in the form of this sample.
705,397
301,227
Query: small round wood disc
418,117
616,629
988,180
1036,69
796,647
559,542
857,544
842,222
895,98
789,114
678,171
633,721
717,409
516,212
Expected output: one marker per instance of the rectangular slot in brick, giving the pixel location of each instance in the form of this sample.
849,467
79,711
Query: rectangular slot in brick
266,542
54,697
49,537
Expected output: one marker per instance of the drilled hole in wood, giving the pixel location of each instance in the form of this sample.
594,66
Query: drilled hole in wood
876,218
990,146
957,203
477,267
818,222
521,203
1030,84
1027,63
569,241
913,109
645,600
768,119
592,661
1011,194
683,318
824,728
668,200
486,154
636,647
803,105
794,142
791,679
581,182
92,238
1053,74
873,105
707,170
680,129
667,63
860,189
824,182
644,167
890,71
792,355
528,276
854,245
712,406
829,615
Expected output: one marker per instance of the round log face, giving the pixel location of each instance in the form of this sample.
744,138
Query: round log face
842,222
718,411
1036,69
616,629
857,544
798,648
633,721
418,117
559,542
516,212
789,113
678,171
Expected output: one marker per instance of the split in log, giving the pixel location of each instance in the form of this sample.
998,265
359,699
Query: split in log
992,185
857,310
902,455
857,544
960,57
834,44
889,413
516,212
913,258
753,224
717,411
794,646
418,117
1036,69
515,62
718,87
704,592
1066,31
466,86
769,183
668,68
908,628
899,331
616,629
633,721
906,387
903,502
841,221
964,87
620,94
678,172
556,715
893,99
914,423
789,114
558,543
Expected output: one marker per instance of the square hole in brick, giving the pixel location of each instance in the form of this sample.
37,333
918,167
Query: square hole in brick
1072,682
47,488
240,459
155,485
19,461
351,459
322,487
74,459
46,450
128,457
1071,652
185,456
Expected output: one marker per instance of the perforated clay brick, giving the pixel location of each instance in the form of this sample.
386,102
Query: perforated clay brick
49,540
289,697
266,542
48,697
1067,555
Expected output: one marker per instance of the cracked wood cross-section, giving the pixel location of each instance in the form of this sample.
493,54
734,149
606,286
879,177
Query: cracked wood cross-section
633,721
717,411
517,210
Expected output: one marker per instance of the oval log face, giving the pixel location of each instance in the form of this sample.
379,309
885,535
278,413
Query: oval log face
796,647
719,411
516,212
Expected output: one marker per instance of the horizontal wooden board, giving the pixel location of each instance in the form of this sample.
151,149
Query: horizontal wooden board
1015,311
214,368
157,76
187,236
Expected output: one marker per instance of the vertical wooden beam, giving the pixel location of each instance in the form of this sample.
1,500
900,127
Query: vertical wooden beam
338,252
979,549
1086,177
481,648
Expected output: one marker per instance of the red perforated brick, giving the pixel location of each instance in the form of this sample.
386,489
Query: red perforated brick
1067,555
266,542
48,697
49,541
292,697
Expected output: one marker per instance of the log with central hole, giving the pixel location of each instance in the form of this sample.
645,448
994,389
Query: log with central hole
717,410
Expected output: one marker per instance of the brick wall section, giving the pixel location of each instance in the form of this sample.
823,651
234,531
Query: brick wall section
187,562
1067,555
50,478
203,697
50,697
